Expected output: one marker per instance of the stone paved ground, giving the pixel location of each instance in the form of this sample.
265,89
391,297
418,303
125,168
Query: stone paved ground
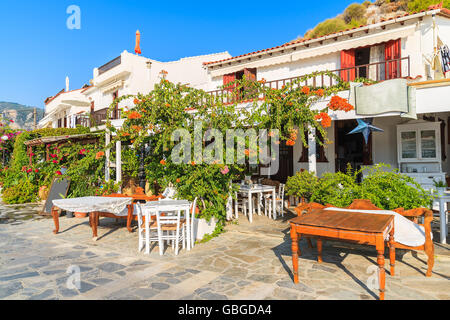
249,261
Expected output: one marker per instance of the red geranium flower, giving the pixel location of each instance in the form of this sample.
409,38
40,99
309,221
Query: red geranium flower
58,173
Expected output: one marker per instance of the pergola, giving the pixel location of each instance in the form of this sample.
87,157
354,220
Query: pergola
86,138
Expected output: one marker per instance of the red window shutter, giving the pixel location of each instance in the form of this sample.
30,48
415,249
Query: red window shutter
348,61
392,51
227,78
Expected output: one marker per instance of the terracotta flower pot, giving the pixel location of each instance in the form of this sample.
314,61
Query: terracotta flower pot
80,214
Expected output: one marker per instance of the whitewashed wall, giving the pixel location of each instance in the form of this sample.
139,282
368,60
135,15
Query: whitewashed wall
189,70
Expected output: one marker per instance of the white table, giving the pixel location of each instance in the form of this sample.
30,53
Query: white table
258,189
150,209
443,199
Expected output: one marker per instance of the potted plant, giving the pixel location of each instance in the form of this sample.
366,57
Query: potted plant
440,186
201,225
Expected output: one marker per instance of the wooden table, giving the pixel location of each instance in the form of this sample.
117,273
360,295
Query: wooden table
95,215
362,228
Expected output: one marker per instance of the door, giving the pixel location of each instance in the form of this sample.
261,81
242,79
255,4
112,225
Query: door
286,167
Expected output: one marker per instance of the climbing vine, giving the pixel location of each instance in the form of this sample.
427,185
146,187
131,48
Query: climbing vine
154,118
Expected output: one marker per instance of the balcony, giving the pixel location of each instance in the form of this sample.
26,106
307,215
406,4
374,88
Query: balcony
109,65
98,118
378,71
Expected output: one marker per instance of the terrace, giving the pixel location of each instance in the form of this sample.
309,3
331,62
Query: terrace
250,261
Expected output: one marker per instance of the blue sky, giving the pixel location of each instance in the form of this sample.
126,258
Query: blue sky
37,50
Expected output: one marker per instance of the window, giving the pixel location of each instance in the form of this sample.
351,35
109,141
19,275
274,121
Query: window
244,93
320,150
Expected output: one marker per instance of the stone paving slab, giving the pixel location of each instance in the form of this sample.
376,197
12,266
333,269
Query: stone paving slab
249,261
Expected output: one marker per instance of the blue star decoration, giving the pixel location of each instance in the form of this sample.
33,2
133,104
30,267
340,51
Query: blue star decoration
365,127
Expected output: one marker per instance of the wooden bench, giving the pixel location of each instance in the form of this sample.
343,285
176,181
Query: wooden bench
413,215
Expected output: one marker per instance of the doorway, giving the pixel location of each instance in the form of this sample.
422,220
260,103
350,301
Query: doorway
362,58
351,148
286,163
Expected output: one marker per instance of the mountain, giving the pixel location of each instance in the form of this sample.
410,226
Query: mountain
21,115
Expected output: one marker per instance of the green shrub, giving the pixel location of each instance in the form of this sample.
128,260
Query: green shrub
418,5
327,27
85,170
355,11
302,185
338,189
391,189
24,191
386,189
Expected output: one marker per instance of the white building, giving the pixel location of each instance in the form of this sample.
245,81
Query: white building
65,109
401,47
128,74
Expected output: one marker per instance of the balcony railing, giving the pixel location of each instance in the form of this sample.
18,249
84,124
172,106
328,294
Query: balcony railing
82,120
99,117
109,65
378,71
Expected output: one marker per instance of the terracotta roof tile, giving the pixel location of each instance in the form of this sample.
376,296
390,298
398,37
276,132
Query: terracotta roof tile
446,11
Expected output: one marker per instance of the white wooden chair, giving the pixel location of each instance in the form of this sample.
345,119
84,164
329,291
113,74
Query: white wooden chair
191,222
141,228
169,193
166,227
279,201
170,227
241,203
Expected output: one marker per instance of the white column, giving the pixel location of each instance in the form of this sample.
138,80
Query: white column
107,154
312,161
118,161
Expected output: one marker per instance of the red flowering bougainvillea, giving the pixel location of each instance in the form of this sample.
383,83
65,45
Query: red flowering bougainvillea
337,103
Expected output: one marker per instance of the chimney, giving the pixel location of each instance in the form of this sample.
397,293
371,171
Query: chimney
67,84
